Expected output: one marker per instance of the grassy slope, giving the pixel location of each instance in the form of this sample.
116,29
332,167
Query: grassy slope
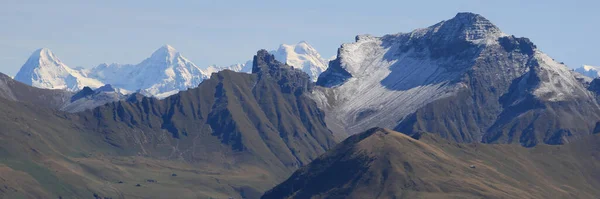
388,164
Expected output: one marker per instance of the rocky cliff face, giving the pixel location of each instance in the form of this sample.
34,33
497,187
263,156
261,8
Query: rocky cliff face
462,78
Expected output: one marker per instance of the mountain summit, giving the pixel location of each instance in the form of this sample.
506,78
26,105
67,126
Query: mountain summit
43,69
462,78
469,27
166,51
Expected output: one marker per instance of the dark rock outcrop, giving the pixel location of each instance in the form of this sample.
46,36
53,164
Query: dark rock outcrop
86,91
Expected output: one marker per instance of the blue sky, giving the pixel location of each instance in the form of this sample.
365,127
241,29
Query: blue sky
87,33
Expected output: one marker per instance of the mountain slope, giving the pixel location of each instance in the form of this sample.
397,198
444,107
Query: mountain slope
381,163
44,70
462,78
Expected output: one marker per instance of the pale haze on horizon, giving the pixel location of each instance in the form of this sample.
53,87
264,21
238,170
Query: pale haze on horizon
86,33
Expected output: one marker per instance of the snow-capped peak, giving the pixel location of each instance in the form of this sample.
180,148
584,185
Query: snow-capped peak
43,69
44,54
42,57
590,71
464,26
301,47
588,67
304,48
302,55
165,71
166,52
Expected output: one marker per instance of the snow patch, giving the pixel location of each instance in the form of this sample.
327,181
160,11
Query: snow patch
557,81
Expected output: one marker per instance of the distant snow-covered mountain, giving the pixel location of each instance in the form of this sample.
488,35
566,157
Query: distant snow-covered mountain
590,71
43,69
164,73
302,55
245,68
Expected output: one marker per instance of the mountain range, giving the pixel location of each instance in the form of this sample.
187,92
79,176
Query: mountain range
459,109
164,73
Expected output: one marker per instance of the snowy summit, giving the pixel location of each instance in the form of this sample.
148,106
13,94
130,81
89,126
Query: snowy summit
303,56
43,69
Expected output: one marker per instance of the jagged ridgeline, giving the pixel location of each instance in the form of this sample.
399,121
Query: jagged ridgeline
463,79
